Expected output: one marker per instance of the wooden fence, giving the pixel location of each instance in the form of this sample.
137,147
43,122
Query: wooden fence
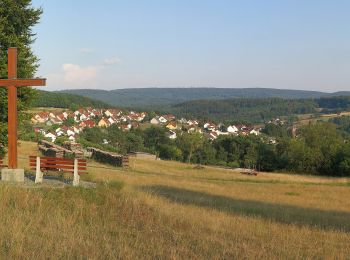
113,159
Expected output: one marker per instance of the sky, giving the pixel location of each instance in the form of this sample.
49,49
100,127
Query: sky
113,44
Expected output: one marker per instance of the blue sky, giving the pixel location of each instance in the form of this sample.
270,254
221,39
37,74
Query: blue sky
110,44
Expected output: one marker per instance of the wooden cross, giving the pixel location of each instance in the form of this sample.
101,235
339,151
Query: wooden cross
12,83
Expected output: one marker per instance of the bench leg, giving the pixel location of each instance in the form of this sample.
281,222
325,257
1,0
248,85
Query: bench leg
38,173
76,177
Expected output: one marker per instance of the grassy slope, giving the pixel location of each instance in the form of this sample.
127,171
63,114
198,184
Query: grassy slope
170,210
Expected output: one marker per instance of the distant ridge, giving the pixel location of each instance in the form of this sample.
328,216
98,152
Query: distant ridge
65,100
158,97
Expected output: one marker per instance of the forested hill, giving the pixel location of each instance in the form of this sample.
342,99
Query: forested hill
257,110
243,109
64,100
158,97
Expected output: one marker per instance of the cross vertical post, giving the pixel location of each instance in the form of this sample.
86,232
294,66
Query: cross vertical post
12,110
12,173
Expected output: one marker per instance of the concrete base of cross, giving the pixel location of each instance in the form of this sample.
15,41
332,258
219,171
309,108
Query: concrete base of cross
12,175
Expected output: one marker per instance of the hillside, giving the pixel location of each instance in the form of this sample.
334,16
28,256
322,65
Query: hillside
65,100
249,110
159,97
174,210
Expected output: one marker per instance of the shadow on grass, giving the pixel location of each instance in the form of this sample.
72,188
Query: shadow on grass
286,214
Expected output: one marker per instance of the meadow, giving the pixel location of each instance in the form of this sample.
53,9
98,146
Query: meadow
171,210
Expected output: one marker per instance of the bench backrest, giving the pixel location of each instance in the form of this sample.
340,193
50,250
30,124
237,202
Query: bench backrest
58,164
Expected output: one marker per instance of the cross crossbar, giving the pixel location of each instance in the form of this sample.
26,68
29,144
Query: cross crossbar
22,82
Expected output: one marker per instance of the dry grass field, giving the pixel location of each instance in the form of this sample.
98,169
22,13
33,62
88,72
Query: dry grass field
308,118
169,210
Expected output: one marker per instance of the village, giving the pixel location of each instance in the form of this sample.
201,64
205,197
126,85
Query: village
64,123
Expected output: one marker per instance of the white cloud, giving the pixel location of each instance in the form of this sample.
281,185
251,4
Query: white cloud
76,74
111,61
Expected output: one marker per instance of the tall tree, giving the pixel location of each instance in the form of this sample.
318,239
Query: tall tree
17,18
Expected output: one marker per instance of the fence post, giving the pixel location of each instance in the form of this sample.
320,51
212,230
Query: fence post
38,173
76,177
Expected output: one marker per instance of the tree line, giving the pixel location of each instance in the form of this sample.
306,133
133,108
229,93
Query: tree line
319,148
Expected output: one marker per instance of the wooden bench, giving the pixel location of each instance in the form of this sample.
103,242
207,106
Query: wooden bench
46,164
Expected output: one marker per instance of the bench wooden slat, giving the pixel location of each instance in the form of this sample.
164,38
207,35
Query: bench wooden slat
55,163
59,167
59,170
32,158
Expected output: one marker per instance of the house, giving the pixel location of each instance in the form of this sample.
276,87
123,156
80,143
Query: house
56,121
218,132
169,117
42,117
194,129
125,127
111,121
79,112
155,121
112,112
33,120
59,132
76,129
209,126
232,129
51,136
134,125
213,136
84,116
89,123
192,122
65,114
61,117
70,132
103,123
172,135
123,118
39,130
172,125
162,120
272,141
254,132
108,113
183,121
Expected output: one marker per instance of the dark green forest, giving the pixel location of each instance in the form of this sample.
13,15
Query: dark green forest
64,100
